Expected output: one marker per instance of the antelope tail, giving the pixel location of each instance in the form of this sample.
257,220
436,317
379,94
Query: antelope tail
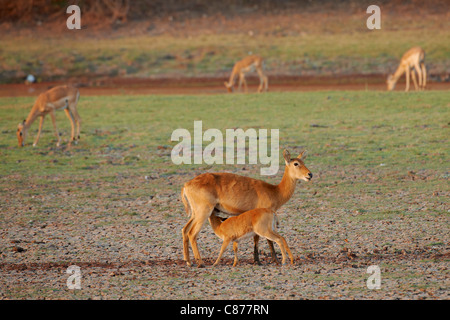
186,203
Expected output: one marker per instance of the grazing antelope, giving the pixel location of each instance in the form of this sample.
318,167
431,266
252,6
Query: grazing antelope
228,194
413,58
58,98
244,66
261,222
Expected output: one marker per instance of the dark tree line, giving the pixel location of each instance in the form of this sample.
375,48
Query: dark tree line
126,10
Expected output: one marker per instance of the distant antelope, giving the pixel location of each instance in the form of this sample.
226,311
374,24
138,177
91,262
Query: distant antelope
259,222
413,58
227,195
58,98
242,67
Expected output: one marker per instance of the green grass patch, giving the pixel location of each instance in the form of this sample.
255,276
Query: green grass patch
365,148
333,49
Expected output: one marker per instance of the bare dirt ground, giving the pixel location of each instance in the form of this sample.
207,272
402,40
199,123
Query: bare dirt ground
139,255
132,86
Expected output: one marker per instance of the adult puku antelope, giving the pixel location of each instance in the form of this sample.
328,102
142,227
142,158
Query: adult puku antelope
58,98
413,59
244,66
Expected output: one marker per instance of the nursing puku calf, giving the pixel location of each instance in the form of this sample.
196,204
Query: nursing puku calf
257,222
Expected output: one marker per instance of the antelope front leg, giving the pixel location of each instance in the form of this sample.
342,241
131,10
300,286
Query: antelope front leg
241,77
222,250
235,249
256,251
41,122
58,143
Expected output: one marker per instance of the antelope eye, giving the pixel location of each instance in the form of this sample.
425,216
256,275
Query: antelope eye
295,163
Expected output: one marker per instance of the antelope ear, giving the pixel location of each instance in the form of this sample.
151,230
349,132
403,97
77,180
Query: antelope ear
302,155
287,156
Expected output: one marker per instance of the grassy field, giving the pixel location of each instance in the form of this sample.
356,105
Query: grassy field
361,129
302,44
381,176
215,55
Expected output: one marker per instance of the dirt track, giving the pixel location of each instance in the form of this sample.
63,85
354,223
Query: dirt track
210,85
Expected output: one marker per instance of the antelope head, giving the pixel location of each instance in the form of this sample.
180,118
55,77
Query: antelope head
21,133
296,166
390,82
229,87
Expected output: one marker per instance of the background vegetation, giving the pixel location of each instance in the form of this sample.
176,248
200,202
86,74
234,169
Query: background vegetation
203,39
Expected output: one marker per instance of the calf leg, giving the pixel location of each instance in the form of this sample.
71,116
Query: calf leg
235,249
222,250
